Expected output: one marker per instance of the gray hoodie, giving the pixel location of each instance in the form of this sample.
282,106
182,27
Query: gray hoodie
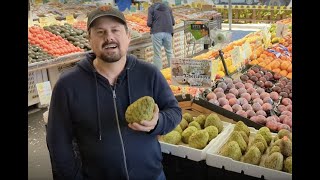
160,18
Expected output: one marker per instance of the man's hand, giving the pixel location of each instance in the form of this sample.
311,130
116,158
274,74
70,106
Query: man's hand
147,125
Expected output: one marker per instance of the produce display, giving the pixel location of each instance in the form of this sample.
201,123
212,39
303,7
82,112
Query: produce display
259,147
36,54
53,44
75,36
195,132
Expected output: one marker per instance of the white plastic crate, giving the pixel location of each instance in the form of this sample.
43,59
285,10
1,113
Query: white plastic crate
55,72
34,78
193,153
215,160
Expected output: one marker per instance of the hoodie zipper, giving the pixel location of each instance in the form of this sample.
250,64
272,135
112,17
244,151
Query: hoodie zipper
117,118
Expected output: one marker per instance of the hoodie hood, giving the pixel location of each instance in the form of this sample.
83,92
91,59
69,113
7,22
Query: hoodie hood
87,65
161,7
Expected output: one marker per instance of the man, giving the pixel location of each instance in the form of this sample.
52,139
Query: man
88,107
161,21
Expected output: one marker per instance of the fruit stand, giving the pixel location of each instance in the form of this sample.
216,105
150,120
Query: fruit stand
57,38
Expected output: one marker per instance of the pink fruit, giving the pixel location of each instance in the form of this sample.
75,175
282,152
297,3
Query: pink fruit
272,125
255,95
268,84
230,95
228,80
263,79
281,108
282,117
250,81
276,118
214,101
218,89
211,95
223,85
289,107
242,90
244,77
251,90
286,101
233,101
287,121
264,95
246,107
228,107
234,91
260,84
271,118
283,126
247,96
260,90
242,113
261,119
266,106
236,107
284,94
261,112
239,85
243,101
258,100
220,95
235,81
248,85
250,113
256,107
288,113
230,85
268,100
223,101
274,95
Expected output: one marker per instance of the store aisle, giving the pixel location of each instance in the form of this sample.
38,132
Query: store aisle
39,167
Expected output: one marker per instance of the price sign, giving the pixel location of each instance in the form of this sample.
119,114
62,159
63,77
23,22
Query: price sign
43,21
281,30
190,72
266,37
44,92
246,50
236,56
51,20
215,65
70,19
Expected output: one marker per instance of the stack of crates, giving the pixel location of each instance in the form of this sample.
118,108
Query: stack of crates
34,78
178,44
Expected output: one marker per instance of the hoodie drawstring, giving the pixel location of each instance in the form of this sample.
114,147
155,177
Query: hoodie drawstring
128,85
98,105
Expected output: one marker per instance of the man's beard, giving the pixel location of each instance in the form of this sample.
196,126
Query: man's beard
110,58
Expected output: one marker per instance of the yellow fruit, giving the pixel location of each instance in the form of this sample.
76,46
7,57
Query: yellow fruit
221,73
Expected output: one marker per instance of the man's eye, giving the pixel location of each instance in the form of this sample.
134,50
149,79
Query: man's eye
99,32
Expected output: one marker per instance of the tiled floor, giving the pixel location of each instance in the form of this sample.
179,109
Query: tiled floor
39,167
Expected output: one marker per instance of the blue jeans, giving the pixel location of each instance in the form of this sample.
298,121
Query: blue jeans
158,40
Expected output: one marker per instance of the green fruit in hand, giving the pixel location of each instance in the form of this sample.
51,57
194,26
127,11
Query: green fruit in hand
141,109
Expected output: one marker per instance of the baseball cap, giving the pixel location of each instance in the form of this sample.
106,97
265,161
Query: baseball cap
105,11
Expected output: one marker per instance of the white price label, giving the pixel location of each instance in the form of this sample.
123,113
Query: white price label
236,56
44,92
190,72
246,50
215,65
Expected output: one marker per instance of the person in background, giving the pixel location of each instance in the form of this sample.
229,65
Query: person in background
88,107
161,22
